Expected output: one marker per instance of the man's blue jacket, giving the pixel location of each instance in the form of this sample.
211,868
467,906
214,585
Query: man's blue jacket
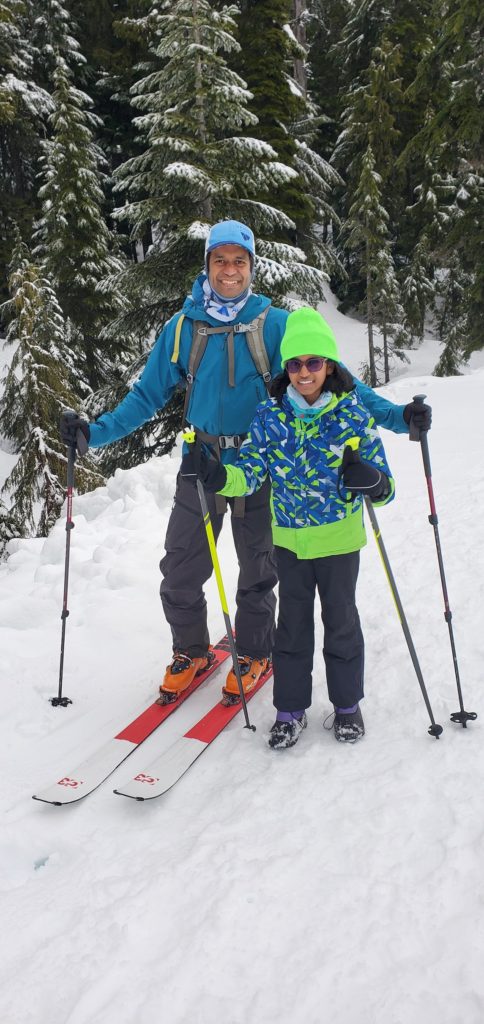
215,406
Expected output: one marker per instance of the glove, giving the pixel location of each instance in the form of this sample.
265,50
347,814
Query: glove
75,431
418,415
207,468
360,477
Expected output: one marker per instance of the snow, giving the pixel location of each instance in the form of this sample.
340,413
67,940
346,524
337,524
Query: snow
319,883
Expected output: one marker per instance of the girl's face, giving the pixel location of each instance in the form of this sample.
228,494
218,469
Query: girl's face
308,382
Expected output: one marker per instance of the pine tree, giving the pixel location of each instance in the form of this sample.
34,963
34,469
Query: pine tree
418,288
327,21
266,62
369,116
368,128
366,235
53,35
72,237
387,308
9,527
114,39
364,30
198,168
320,180
452,319
24,108
450,76
36,388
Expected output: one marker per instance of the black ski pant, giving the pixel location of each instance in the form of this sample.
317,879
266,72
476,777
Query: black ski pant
335,579
187,566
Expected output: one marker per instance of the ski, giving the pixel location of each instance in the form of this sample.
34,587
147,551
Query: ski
87,776
172,764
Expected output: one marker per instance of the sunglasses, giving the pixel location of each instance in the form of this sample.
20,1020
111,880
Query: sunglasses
313,364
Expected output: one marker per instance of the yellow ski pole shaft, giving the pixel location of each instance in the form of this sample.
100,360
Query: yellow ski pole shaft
190,438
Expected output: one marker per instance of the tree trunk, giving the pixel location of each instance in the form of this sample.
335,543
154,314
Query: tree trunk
299,8
369,310
199,103
386,360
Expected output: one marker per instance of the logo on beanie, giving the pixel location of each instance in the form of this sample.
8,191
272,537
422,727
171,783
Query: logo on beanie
245,235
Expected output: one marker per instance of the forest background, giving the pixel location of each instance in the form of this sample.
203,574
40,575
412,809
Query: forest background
347,133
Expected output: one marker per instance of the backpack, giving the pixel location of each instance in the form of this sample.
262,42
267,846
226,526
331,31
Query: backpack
200,335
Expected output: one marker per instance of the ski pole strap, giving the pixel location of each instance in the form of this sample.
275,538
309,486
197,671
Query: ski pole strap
71,458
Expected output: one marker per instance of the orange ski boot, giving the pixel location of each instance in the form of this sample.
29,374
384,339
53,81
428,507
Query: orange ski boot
251,670
180,673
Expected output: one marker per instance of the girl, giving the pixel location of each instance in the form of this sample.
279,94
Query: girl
304,439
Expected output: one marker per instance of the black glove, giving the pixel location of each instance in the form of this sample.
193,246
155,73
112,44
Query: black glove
209,470
418,415
75,431
360,477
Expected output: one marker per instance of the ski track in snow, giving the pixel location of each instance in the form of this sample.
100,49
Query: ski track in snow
327,882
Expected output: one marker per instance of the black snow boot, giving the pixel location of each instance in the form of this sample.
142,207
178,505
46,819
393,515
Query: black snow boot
348,726
286,734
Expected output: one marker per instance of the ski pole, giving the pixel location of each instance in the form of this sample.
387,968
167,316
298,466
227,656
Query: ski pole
461,717
71,457
190,437
434,729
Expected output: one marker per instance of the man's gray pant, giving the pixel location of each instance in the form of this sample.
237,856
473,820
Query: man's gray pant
187,566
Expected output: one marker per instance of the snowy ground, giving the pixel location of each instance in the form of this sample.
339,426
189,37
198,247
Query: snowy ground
323,883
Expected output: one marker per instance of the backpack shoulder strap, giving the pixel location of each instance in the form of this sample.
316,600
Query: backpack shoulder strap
254,333
176,344
199,344
200,333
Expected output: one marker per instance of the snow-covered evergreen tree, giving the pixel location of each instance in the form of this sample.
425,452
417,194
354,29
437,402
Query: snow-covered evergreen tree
388,309
24,108
418,289
320,180
366,236
366,148
266,62
73,240
365,28
428,219
452,319
369,116
198,167
35,389
52,36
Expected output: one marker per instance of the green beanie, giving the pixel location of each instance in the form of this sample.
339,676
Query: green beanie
308,334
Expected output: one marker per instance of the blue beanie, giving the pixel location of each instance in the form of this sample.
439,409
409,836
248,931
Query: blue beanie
230,232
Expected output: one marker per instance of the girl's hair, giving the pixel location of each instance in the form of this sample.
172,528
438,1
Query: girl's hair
339,382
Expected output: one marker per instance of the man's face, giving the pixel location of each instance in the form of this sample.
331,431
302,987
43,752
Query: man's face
229,270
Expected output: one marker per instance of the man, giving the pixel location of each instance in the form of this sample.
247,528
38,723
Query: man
225,321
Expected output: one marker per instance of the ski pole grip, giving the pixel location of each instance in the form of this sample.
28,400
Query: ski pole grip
80,444
421,435
190,438
414,434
